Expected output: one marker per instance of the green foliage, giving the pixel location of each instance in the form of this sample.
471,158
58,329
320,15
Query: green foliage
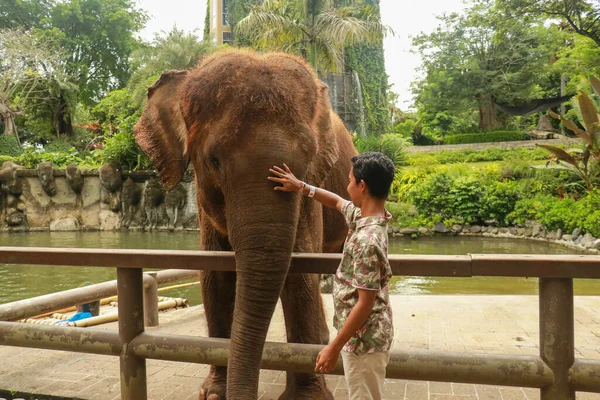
487,137
464,199
368,61
567,213
403,214
471,156
6,158
32,157
474,59
122,148
9,146
389,144
58,146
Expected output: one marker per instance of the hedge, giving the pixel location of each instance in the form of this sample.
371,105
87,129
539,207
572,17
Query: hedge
486,137
9,146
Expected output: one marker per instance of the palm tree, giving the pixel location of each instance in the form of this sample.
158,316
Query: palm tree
318,30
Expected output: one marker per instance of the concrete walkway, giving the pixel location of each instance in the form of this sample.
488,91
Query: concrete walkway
484,324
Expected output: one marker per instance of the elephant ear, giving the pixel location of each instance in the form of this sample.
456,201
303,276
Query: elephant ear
161,132
327,148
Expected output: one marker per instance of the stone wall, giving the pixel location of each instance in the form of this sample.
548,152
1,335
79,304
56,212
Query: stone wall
103,199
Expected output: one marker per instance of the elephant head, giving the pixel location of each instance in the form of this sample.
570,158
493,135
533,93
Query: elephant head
233,117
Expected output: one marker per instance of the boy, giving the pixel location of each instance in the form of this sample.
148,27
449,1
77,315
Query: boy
363,315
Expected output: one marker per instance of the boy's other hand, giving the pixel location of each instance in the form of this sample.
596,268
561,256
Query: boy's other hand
327,359
289,183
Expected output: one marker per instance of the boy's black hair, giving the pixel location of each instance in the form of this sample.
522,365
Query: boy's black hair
377,170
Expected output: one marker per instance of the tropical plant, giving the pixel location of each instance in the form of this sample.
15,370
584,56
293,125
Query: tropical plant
389,144
584,163
30,74
317,30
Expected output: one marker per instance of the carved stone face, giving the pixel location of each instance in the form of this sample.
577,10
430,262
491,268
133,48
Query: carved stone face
46,175
110,177
74,178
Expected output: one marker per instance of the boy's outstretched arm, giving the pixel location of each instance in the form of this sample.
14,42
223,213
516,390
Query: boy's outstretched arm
289,183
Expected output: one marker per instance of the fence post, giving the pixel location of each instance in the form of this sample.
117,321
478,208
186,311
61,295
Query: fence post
130,286
557,347
151,301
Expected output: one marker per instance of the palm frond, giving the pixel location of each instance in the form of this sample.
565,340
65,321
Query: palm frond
340,25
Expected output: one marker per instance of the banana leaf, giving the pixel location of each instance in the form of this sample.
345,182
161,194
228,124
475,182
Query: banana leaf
560,154
588,112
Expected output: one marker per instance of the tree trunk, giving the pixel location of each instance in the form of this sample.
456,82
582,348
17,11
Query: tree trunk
63,123
488,114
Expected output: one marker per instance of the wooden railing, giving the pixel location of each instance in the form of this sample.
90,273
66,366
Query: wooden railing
556,371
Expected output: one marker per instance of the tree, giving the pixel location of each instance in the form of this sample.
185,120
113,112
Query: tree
477,60
24,14
582,15
30,74
172,50
314,29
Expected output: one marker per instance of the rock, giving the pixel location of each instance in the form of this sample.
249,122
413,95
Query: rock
12,201
545,125
175,200
65,225
46,175
551,235
495,230
16,218
409,231
520,231
586,240
484,229
109,221
440,228
528,233
597,244
21,206
491,222
559,234
567,237
390,230
466,229
577,239
396,229
456,228
110,176
423,230
504,230
537,230
475,229
9,182
74,177
576,232
114,202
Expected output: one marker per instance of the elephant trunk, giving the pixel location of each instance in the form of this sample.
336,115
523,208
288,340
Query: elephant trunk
262,228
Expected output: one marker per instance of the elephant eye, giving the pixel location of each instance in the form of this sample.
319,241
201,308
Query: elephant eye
214,161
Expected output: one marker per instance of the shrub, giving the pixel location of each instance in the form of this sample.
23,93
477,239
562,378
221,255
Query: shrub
389,144
58,146
466,199
567,213
472,155
403,214
6,158
9,146
122,148
487,137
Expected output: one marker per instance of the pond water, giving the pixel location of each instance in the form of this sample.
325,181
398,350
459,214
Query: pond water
24,281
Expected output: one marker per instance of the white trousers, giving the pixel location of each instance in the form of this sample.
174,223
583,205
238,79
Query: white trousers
365,374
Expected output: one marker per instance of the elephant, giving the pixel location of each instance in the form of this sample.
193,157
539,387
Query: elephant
234,116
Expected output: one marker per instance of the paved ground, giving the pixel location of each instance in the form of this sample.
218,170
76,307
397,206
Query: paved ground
490,324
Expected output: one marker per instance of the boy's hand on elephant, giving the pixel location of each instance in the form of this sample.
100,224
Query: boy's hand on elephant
327,359
289,183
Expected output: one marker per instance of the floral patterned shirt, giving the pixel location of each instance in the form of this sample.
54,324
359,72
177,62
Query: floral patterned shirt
364,265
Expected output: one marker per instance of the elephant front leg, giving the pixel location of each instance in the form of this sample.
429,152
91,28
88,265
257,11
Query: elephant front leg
218,295
305,323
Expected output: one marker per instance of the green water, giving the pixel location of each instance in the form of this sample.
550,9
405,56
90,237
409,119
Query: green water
24,281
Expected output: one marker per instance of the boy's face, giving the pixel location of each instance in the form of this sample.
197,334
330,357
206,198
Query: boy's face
356,190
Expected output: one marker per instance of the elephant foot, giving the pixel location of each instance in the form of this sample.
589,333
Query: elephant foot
213,389
308,387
